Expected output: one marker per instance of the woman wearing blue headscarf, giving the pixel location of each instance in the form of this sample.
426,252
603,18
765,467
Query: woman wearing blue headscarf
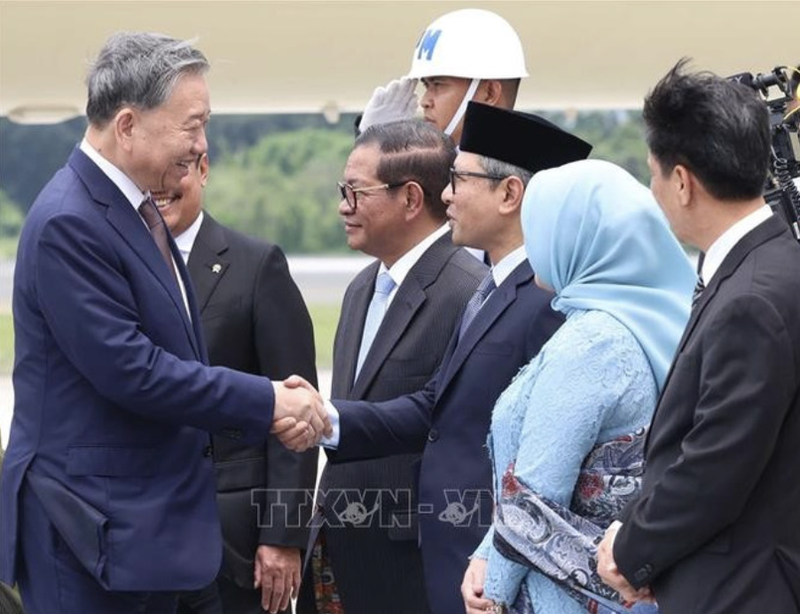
567,434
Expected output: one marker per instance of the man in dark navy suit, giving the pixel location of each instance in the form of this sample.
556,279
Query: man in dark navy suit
504,325
107,493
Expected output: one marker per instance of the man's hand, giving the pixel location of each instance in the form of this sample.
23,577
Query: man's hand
300,419
391,103
277,573
472,587
609,572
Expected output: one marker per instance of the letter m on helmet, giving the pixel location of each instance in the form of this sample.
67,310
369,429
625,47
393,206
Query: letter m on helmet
427,43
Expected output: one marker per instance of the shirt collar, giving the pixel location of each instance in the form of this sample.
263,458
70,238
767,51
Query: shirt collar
185,240
134,195
406,262
727,241
506,266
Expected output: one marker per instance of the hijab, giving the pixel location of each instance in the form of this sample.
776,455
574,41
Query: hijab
597,237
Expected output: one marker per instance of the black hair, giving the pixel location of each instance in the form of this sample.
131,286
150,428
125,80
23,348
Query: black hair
716,128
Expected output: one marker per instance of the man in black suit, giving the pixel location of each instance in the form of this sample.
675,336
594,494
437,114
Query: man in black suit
254,320
377,566
716,528
504,324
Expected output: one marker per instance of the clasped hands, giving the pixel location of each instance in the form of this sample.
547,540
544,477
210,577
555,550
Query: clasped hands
300,419
610,573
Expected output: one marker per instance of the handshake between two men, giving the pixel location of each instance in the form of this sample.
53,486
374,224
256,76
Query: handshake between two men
300,419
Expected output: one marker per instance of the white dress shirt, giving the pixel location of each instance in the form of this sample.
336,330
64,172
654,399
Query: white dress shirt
500,273
133,195
728,240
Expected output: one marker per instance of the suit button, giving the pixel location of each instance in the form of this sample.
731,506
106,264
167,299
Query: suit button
643,574
208,451
433,435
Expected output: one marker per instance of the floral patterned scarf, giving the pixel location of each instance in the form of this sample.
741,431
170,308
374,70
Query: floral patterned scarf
562,543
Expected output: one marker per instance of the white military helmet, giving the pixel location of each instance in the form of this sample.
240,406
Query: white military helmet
471,44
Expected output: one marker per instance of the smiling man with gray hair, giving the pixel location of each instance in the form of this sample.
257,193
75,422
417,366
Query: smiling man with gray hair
107,492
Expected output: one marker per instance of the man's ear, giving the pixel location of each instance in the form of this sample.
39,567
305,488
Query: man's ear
414,198
493,92
204,166
124,122
513,191
685,184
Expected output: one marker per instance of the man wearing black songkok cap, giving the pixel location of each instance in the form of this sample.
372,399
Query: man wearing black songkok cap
503,327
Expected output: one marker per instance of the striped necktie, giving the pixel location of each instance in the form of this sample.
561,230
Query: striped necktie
473,307
700,285
158,230
698,291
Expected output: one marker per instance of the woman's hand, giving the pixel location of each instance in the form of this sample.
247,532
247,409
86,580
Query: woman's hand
472,588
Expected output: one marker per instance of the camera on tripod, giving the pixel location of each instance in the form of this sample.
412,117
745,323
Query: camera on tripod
779,90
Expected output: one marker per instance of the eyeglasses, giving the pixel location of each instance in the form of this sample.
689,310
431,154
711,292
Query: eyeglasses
456,174
350,194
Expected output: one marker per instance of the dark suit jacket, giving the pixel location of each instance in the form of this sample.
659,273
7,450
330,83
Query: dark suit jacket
717,529
255,320
448,422
112,397
377,565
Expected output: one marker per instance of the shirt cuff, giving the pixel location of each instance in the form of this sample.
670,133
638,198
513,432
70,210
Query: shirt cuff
332,442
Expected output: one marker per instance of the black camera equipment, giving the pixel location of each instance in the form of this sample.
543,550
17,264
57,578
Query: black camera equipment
778,89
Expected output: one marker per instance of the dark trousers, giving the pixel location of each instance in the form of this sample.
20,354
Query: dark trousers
222,597
52,581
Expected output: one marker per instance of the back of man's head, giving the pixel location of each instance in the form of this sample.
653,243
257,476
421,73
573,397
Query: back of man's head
717,129
139,69
413,150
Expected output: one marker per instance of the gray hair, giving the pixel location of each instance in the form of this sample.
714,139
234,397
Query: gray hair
138,69
493,166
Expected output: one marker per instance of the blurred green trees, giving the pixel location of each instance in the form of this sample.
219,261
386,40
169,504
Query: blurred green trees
284,189
272,176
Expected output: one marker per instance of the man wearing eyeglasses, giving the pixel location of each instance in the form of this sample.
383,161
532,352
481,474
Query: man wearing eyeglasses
396,320
503,326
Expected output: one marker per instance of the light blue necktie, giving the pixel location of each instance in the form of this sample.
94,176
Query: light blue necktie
377,307
473,307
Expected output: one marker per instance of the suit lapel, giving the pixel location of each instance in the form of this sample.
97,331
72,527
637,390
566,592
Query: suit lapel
129,225
494,307
765,231
352,322
408,300
769,229
207,263
406,303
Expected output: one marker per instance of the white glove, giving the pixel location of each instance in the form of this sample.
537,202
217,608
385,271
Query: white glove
394,102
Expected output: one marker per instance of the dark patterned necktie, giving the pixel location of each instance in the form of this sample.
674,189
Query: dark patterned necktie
158,230
698,291
473,307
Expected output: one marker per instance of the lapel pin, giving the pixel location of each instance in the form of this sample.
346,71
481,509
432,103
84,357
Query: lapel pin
216,268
